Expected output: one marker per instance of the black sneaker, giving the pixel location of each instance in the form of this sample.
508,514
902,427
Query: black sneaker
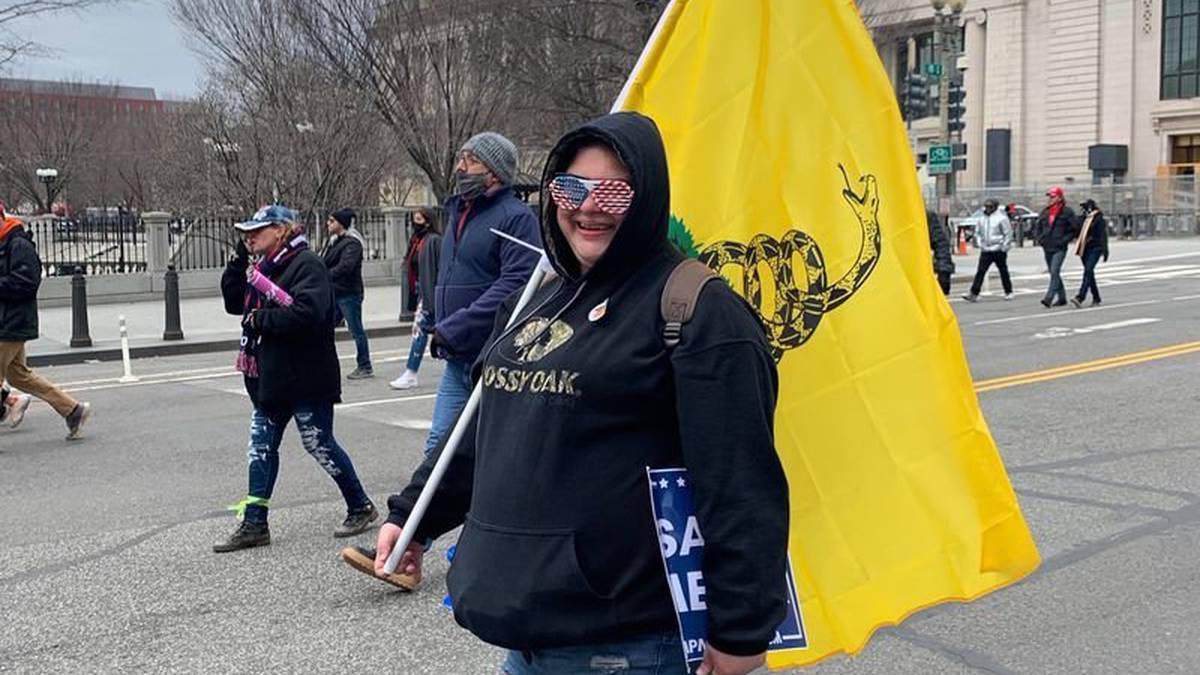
1095,303
971,297
357,522
1077,302
361,374
1045,303
1060,303
76,419
247,535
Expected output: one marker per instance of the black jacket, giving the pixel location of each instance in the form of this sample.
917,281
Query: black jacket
559,546
1097,236
1056,237
297,360
344,257
20,276
939,244
427,272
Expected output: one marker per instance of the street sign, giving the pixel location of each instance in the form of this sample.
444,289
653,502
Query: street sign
933,69
941,159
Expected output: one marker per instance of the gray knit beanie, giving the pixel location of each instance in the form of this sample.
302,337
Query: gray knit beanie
496,152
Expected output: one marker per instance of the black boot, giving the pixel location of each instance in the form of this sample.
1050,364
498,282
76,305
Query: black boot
247,535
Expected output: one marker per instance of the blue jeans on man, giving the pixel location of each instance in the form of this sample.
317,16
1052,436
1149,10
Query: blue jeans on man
1056,293
452,394
350,307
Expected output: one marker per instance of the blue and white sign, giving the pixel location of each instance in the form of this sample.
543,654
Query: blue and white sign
682,546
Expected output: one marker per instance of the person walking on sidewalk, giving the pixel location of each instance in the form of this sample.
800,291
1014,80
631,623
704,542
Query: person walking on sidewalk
343,256
289,366
421,261
993,238
939,245
1055,230
1091,247
20,277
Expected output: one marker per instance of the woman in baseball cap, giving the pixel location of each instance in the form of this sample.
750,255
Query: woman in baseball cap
289,366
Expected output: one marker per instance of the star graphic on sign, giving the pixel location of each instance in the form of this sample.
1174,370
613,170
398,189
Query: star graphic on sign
681,482
663,483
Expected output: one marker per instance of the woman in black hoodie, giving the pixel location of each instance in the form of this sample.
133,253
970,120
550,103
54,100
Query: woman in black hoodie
559,557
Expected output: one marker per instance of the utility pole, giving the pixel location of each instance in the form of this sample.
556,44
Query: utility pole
945,48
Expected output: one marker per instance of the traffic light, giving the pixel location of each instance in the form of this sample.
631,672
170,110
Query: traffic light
958,106
916,96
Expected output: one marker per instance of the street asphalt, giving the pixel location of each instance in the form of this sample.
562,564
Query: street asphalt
105,563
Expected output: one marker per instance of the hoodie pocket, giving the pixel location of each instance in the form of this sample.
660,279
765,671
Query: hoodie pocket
514,585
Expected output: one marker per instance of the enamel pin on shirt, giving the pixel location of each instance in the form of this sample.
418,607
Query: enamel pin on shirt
598,311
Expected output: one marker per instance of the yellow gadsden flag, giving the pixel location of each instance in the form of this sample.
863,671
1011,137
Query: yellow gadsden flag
791,174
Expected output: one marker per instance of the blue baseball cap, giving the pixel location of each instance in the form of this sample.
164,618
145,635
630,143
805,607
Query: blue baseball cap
275,214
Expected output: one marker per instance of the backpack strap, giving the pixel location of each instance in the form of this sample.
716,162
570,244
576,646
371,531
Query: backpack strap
679,297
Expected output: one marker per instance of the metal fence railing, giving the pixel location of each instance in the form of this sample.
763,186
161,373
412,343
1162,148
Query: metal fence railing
1148,207
113,244
200,243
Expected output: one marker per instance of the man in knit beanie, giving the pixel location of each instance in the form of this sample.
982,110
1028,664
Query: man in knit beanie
343,255
477,271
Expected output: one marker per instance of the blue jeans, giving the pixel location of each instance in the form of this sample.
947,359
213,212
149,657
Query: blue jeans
1090,259
314,422
1054,262
420,341
452,394
647,655
350,306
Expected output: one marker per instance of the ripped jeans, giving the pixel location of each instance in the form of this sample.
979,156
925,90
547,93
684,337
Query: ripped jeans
314,422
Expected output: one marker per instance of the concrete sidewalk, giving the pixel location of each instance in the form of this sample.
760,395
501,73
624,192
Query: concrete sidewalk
206,327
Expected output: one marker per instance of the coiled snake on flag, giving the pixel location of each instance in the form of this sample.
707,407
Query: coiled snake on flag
802,296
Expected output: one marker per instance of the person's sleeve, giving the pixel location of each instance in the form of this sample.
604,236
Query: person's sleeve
24,272
349,261
233,286
1006,233
727,385
452,497
516,265
312,300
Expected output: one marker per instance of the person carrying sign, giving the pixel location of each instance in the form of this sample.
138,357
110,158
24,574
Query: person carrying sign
559,559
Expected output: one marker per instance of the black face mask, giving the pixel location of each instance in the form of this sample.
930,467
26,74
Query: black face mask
470,185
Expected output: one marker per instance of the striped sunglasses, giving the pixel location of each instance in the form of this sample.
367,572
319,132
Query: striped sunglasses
611,196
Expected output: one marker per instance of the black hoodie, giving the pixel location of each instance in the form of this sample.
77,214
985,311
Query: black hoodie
559,545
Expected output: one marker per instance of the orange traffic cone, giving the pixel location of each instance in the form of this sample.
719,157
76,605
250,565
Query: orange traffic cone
962,242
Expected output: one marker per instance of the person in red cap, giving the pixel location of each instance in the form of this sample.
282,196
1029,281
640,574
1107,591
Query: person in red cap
1055,229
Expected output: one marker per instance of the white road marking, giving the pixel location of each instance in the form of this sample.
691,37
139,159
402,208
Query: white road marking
1060,331
382,401
1047,314
416,425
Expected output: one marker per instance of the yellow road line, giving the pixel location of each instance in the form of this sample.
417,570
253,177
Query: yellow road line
1087,367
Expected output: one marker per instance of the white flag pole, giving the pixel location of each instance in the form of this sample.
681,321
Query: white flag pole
460,428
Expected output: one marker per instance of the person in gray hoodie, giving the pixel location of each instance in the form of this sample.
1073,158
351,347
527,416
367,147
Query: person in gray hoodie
993,238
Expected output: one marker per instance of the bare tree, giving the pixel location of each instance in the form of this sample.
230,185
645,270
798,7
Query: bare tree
436,72
12,44
279,126
60,133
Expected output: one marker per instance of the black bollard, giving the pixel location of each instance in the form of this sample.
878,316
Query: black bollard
173,330
79,312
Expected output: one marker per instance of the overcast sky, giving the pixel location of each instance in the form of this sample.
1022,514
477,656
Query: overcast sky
131,43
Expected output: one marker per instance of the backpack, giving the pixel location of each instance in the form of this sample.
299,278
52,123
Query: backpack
679,296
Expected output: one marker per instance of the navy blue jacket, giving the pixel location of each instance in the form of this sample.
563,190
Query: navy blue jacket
477,272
